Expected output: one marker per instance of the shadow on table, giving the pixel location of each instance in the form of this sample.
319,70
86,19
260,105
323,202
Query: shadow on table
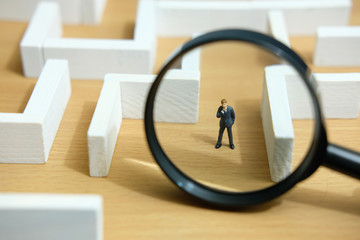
211,140
146,178
77,157
326,199
14,63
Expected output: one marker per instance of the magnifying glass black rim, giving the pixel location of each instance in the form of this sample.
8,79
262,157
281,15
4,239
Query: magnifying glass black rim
239,199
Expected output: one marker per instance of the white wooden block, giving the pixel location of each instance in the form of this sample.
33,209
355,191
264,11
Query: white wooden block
277,124
93,58
337,46
104,129
299,100
72,11
180,103
182,18
134,90
145,28
277,27
17,10
177,99
285,98
191,60
90,58
28,137
51,216
45,23
178,95
304,17
339,94
93,11
21,139
182,88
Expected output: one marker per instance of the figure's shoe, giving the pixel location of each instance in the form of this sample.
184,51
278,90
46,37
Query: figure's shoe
232,146
218,145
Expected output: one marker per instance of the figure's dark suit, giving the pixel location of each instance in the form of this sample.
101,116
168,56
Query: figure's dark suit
226,121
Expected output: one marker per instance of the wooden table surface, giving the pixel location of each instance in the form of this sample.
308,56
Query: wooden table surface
139,201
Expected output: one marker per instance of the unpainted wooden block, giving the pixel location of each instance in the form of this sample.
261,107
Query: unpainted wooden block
183,18
337,46
45,23
51,216
72,11
28,137
104,129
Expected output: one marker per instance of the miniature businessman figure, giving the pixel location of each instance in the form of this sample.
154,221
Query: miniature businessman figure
227,119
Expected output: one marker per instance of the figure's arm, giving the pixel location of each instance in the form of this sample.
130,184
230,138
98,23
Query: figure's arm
219,114
233,115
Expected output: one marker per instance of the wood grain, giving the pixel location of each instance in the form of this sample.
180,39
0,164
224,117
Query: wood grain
139,201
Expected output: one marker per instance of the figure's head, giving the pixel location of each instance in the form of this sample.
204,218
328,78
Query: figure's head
224,102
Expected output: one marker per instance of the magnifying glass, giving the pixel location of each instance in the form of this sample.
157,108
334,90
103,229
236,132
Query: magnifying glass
231,129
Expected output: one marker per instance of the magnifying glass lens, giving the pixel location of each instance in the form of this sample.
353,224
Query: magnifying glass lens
234,117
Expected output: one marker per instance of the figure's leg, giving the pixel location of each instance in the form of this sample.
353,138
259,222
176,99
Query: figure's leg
221,132
230,137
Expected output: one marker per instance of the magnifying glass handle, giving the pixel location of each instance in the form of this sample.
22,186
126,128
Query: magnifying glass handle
342,160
